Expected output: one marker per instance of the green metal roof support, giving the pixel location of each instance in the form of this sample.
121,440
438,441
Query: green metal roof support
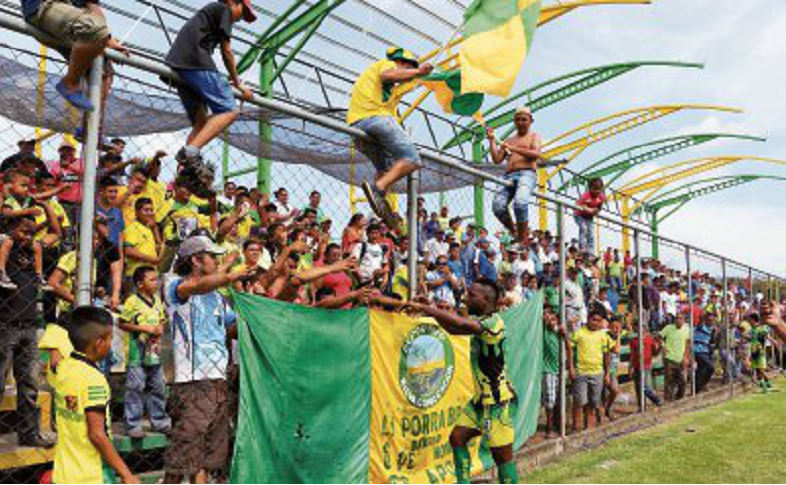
611,172
274,38
268,45
588,79
673,200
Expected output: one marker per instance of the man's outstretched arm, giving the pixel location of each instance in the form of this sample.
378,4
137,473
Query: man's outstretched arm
454,324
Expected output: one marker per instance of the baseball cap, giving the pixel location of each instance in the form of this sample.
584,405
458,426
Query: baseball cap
199,244
399,54
248,13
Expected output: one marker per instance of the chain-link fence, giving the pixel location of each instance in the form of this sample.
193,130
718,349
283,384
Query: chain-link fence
174,378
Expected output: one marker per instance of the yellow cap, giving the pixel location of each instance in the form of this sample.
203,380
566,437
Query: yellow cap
400,54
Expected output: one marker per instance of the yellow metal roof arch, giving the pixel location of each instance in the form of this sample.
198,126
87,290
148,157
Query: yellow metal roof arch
582,137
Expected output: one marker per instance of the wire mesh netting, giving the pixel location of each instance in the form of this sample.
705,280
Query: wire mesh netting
173,384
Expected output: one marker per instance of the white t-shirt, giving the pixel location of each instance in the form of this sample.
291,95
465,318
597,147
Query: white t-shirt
435,249
370,261
283,209
669,303
520,267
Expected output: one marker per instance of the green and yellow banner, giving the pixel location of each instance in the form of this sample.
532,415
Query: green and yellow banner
362,396
498,35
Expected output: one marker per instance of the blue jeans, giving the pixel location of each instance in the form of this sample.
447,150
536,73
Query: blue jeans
393,142
586,234
204,89
519,193
145,387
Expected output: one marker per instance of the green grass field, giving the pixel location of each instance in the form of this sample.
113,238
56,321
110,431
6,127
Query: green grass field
742,441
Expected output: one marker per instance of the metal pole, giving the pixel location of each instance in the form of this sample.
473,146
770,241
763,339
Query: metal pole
264,164
563,317
640,307
412,235
727,326
691,321
84,293
480,204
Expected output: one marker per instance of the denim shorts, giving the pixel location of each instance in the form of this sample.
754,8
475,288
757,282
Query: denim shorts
587,389
393,142
204,88
519,194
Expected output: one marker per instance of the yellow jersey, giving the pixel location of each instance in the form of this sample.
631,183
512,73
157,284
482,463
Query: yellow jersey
59,213
67,264
489,370
181,220
590,347
79,388
55,338
141,348
141,237
371,97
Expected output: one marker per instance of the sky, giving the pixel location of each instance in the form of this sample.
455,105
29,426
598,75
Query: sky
739,42
741,45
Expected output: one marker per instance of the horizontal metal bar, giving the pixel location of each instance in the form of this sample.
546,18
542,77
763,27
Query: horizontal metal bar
17,24
241,172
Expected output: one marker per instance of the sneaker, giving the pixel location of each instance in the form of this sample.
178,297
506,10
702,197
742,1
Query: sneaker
6,283
374,196
380,206
77,99
135,433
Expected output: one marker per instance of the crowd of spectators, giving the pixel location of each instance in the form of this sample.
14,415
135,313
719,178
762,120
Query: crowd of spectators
165,260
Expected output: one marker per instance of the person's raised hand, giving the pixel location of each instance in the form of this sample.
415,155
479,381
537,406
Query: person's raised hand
243,275
490,133
298,247
245,93
116,45
425,69
349,264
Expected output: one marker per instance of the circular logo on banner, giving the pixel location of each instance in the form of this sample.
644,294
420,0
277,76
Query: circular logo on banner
427,365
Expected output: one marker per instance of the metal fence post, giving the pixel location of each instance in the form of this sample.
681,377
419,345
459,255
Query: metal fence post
563,316
692,321
640,311
412,235
727,326
84,283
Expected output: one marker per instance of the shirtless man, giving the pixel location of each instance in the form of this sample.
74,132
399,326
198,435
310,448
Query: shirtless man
522,153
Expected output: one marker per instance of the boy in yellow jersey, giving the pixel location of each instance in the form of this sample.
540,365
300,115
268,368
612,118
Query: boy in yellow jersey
489,413
592,347
84,452
142,242
372,109
144,318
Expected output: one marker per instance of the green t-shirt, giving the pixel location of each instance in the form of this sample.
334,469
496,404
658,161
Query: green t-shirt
615,269
551,294
674,342
551,348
